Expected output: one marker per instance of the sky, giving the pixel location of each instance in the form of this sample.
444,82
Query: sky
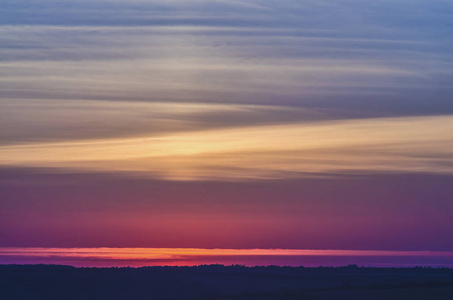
227,124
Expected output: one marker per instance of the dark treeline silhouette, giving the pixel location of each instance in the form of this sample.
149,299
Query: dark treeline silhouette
30,282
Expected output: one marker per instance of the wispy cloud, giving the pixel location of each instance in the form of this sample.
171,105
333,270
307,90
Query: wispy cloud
41,120
345,54
185,253
416,144
215,77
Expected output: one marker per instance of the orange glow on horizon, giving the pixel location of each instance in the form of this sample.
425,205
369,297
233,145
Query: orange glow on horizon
181,253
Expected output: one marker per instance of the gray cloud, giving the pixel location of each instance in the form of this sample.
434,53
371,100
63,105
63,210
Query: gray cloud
32,120
332,59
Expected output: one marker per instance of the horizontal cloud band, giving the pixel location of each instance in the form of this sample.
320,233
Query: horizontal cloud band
411,144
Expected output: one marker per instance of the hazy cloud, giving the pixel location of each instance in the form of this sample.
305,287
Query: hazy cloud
392,58
417,144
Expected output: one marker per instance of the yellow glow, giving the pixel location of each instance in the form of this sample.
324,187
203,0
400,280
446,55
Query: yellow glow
176,253
413,144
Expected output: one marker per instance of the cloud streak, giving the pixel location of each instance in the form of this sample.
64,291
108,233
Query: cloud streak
328,54
194,256
415,144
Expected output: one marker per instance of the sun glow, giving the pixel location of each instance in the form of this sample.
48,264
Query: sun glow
389,144
166,253
196,256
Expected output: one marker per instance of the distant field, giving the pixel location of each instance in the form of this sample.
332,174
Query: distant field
30,282
389,294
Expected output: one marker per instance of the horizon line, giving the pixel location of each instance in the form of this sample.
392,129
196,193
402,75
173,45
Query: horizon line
152,252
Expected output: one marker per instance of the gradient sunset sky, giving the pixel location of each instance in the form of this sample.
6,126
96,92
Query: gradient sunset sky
254,124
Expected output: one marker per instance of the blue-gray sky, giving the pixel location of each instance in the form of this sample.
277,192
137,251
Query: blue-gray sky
248,96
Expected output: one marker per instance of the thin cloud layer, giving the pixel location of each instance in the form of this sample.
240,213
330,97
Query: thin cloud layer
32,120
416,144
342,54
189,256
